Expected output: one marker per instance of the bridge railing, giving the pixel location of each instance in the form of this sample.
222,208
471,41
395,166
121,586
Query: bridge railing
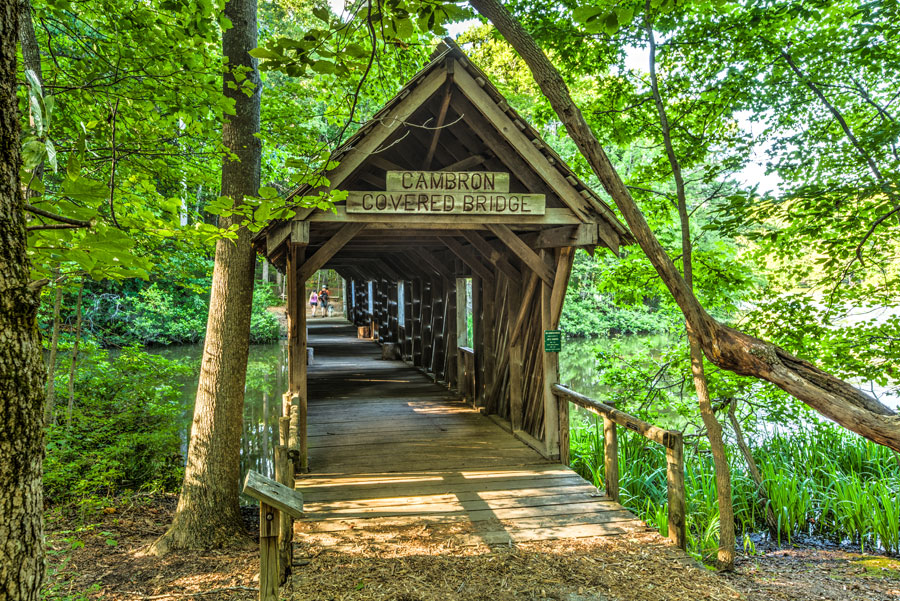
467,385
672,440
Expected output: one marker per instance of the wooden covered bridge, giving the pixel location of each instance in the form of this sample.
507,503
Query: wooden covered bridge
456,211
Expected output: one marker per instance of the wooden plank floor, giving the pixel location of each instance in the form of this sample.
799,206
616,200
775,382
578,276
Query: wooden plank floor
389,449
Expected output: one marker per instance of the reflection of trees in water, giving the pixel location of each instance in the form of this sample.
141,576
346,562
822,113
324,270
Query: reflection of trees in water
266,382
583,361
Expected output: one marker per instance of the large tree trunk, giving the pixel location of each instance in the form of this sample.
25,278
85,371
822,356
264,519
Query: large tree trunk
725,556
21,363
724,346
208,514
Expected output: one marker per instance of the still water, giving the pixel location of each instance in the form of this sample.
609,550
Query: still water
581,363
266,382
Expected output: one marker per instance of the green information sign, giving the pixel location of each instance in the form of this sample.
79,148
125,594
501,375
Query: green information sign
552,341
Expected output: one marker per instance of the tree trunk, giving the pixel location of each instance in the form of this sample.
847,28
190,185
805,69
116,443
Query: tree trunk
724,346
74,362
208,515
50,403
725,557
21,363
757,478
31,60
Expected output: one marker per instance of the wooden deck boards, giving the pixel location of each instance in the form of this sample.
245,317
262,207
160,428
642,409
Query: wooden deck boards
390,449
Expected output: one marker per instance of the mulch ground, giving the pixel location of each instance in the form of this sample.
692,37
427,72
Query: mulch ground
103,557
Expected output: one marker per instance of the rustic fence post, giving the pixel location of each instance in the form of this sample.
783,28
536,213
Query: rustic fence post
611,458
563,413
675,489
268,552
284,474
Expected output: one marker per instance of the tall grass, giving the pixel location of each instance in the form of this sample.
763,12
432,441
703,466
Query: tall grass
821,481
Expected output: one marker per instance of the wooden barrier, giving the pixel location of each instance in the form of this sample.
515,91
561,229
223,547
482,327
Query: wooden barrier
467,386
672,440
274,499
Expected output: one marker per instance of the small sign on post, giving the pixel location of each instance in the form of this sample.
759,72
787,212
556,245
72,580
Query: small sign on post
273,498
552,341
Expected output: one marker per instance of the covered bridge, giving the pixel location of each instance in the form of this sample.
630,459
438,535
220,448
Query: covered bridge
449,190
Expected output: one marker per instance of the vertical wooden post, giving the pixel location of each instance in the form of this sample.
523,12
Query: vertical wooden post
611,458
296,290
461,332
477,343
562,406
297,355
675,489
488,353
268,552
284,474
550,363
516,361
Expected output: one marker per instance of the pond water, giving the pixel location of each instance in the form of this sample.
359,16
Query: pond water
580,366
266,382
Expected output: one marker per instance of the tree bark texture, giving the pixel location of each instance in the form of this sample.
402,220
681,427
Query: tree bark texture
755,475
725,347
725,556
208,514
21,363
31,60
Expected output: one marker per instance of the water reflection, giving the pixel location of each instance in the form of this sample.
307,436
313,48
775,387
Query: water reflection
266,382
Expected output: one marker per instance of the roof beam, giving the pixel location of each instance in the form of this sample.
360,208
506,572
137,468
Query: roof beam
505,127
492,255
552,216
442,114
523,251
433,262
468,257
328,250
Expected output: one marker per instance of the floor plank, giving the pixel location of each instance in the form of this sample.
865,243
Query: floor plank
391,449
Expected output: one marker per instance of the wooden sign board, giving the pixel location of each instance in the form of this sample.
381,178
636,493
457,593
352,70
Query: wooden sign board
266,490
446,193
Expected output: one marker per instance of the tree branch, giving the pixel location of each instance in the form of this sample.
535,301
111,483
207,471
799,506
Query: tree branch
72,222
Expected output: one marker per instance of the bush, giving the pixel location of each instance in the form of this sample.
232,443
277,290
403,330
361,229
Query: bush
125,427
264,326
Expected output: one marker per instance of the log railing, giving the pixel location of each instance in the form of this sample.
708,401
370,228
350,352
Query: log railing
467,386
670,439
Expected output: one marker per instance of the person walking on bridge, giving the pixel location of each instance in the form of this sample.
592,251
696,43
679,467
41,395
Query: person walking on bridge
324,293
313,302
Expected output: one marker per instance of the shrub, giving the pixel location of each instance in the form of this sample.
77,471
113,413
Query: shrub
124,433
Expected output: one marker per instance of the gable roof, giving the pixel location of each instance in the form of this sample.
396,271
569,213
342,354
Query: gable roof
459,97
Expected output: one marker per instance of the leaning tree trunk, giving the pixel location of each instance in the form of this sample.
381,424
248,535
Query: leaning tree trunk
725,556
208,514
725,347
21,363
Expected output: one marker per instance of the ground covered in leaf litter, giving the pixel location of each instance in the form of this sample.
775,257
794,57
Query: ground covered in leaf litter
103,557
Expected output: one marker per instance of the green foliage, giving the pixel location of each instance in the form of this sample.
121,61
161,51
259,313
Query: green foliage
820,480
124,432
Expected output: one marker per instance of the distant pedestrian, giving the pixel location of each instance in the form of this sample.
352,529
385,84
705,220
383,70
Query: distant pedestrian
313,302
323,300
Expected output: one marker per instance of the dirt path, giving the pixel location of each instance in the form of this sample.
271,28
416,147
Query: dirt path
104,559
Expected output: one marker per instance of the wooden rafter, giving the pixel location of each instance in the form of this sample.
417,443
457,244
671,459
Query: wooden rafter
468,257
493,255
523,251
328,250
439,125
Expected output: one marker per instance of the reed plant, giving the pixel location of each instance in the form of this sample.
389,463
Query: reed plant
819,480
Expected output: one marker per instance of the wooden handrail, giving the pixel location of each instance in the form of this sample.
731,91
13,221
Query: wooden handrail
672,440
468,385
